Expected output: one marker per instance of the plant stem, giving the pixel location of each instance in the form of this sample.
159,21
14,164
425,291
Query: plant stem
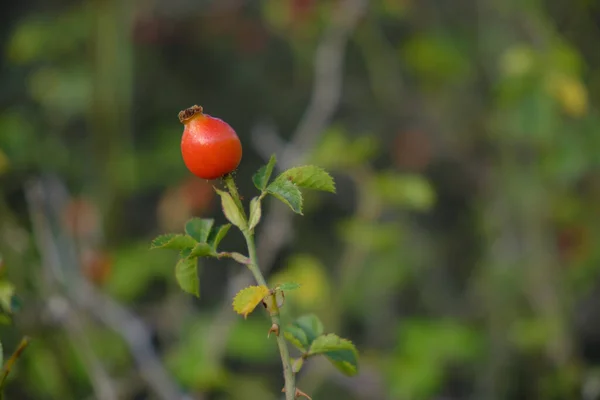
10,362
288,373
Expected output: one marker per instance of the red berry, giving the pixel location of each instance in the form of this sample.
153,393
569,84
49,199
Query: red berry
209,146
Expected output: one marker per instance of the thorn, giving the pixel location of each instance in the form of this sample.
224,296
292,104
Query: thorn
299,393
274,329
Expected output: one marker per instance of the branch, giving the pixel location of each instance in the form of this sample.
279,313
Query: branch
45,197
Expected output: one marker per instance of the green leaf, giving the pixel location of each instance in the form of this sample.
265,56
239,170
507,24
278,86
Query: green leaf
311,325
297,364
248,298
337,151
199,228
296,337
255,213
231,210
287,192
341,352
287,286
186,272
7,291
173,241
262,176
201,250
217,235
309,177
411,191
185,253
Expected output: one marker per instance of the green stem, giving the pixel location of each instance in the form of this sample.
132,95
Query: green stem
288,373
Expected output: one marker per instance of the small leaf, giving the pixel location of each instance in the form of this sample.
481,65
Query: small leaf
186,272
199,228
7,291
341,352
284,287
247,299
262,176
217,235
255,213
231,210
287,192
297,364
201,250
173,241
309,177
311,325
296,337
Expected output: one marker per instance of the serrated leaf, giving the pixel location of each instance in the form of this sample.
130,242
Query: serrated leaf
201,250
255,213
173,241
311,325
287,286
231,210
262,176
199,228
341,352
288,192
296,336
248,298
217,235
186,272
309,177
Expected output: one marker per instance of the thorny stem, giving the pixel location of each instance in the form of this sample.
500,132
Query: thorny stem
288,373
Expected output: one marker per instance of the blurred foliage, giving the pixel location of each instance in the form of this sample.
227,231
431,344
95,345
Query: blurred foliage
458,255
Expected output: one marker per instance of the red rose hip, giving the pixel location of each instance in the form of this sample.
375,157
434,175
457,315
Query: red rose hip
209,146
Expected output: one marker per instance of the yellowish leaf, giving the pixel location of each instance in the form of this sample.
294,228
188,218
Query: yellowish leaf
247,299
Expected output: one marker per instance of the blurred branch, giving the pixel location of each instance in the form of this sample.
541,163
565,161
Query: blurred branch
63,312
11,361
46,197
325,98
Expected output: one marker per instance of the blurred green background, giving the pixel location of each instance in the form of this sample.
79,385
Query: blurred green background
458,254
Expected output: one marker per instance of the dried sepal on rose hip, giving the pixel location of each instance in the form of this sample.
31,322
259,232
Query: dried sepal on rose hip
209,146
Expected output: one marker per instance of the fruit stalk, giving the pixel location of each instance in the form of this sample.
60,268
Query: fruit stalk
288,373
